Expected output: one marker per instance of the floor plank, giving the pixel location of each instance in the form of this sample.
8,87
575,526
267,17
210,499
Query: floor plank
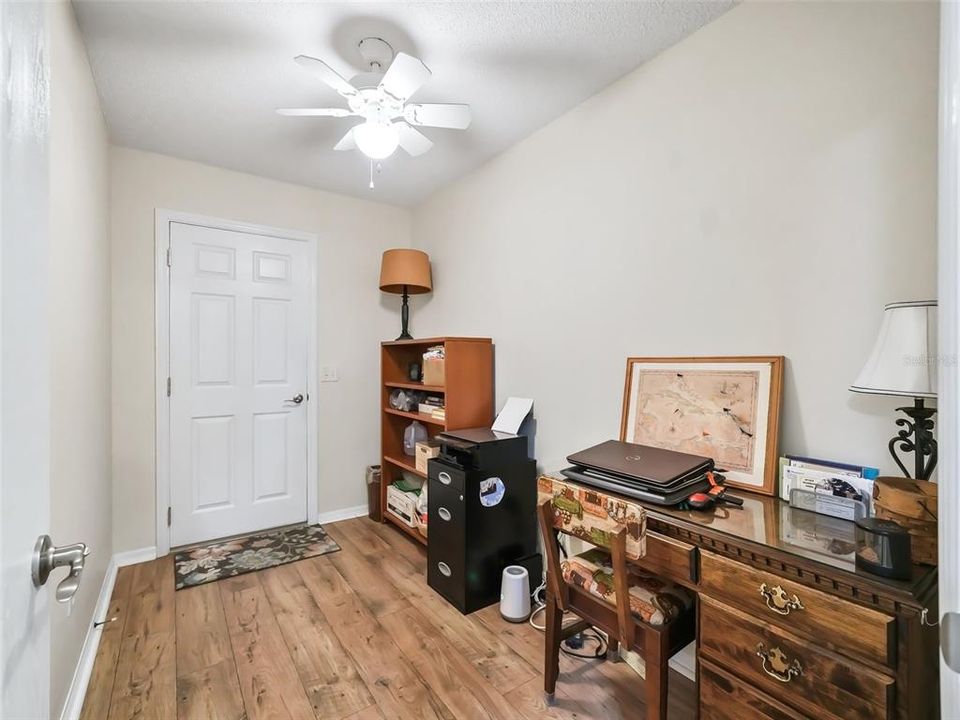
447,672
331,680
494,659
145,684
353,635
269,682
399,690
207,682
96,704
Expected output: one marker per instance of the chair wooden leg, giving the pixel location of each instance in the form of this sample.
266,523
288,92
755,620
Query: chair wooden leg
551,650
655,658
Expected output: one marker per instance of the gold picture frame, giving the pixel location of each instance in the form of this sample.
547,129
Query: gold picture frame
724,407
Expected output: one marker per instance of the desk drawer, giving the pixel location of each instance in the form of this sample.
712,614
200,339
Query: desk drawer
724,697
670,558
835,623
790,669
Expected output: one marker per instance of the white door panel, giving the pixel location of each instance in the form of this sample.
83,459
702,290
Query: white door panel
24,360
239,306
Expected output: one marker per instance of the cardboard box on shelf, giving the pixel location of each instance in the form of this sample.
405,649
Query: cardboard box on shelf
433,371
425,451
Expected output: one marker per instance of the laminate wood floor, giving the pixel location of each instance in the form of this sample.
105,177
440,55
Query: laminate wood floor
353,634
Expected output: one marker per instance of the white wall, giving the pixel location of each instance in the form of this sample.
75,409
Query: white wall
79,280
353,318
763,187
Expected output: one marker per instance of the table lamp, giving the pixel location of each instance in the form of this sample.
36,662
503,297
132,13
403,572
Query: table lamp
404,272
902,364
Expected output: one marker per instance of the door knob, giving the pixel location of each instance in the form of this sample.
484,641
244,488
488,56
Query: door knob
296,399
46,557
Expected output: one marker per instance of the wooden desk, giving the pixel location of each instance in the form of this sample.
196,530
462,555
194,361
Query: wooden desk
834,641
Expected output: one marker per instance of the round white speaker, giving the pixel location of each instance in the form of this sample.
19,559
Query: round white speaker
515,594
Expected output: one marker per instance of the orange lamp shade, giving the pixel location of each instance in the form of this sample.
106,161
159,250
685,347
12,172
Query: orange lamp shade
405,268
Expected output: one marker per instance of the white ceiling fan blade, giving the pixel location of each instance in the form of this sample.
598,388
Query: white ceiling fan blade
319,69
404,77
412,140
346,142
440,115
314,112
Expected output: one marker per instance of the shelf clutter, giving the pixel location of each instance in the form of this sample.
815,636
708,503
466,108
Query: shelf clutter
440,383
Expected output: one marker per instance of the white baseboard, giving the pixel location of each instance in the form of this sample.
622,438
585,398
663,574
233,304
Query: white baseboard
343,514
81,675
132,557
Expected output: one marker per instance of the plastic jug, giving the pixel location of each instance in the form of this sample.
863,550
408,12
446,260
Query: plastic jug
414,433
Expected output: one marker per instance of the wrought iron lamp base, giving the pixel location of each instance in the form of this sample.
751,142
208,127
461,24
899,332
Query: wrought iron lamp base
922,443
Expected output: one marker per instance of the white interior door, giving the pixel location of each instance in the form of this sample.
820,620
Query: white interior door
239,307
948,400
24,360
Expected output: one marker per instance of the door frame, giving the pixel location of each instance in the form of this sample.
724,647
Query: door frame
163,220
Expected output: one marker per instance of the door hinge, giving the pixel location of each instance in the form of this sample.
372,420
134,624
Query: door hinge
169,385
169,516
169,257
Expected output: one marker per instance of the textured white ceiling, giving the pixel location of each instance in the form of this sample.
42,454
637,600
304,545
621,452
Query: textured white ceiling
201,80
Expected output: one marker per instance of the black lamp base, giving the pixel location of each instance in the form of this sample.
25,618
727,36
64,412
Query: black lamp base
405,317
922,444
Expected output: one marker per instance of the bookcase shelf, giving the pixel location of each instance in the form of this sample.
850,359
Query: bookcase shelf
416,386
468,399
422,417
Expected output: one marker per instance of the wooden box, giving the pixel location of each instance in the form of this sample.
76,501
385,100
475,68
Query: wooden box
912,504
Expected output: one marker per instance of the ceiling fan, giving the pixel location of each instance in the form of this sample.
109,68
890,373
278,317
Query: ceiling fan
380,98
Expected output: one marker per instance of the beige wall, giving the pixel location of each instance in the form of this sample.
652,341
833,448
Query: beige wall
763,187
80,335
353,318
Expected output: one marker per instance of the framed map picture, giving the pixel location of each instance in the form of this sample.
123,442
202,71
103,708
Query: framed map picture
726,408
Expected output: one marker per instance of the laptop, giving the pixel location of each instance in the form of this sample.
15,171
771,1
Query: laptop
635,489
655,468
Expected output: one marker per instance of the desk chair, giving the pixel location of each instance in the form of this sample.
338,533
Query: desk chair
635,609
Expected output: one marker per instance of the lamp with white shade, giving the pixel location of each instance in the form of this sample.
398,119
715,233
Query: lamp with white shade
902,364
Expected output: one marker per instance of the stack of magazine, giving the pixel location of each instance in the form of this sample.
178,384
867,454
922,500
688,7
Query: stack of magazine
826,487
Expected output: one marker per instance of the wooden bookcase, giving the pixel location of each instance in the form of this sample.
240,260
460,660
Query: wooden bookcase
468,397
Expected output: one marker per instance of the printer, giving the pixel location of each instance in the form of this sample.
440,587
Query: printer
482,499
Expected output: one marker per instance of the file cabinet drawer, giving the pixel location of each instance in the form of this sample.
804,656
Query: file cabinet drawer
841,625
791,669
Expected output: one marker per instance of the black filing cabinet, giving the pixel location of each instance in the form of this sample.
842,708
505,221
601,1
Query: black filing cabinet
482,499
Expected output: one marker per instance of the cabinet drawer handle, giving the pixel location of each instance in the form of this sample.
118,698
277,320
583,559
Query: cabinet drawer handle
444,478
444,514
778,600
444,569
776,665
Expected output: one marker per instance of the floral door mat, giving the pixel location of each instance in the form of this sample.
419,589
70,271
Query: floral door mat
251,553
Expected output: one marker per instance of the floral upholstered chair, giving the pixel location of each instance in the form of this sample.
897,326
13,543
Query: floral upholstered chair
606,586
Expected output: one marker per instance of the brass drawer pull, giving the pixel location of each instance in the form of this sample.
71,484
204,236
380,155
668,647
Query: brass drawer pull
778,601
779,668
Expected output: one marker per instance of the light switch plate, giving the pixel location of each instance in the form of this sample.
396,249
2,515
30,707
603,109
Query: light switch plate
328,373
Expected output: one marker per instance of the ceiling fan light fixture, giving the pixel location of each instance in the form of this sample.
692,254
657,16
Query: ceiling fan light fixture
376,140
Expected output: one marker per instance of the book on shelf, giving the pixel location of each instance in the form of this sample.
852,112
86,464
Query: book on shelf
428,409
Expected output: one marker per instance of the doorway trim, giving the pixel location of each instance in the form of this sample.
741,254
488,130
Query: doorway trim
163,219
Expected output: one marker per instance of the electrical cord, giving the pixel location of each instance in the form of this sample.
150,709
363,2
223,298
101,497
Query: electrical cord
589,634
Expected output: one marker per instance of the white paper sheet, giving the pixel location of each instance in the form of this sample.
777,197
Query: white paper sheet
512,415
